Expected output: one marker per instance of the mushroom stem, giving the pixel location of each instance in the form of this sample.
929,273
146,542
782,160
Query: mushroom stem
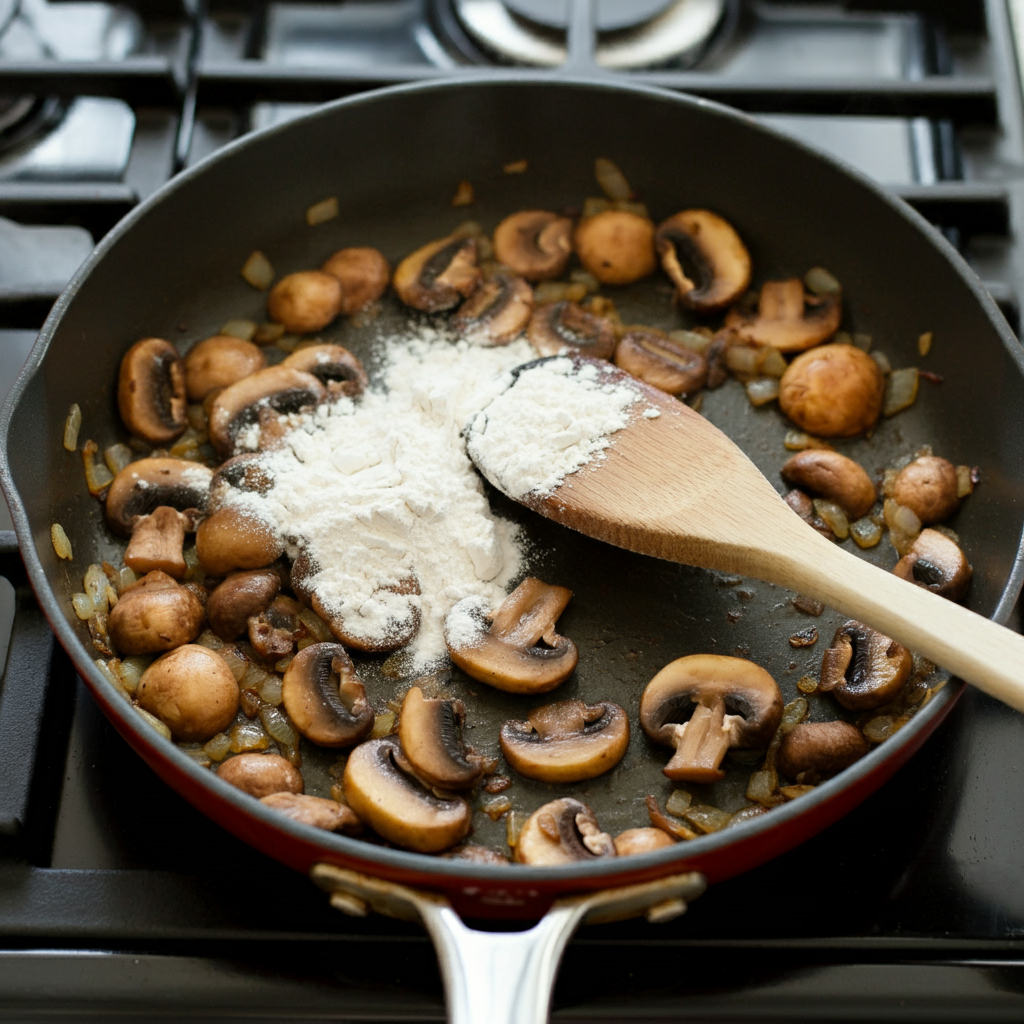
157,542
529,613
701,745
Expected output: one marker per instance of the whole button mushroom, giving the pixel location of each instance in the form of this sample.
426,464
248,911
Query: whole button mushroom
151,391
240,596
834,477
535,244
333,365
399,807
562,832
559,326
936,563
832,391
306,301
192,691
235,538
685,706
666,364
260,775
704,258
218,362
616,246
820,749
641,840
324,697
439,275
430,732
508,655
864,668
787,317
154,614
316,811
363,273
928,487
497,311
566,742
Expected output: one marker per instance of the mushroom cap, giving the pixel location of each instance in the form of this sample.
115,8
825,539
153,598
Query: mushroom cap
306,301
234,538
508,655
151,391
259,775
430,732
154,614
364,274
928,487
616,246
497,311
936,563
218,362
438,275
864,668
567,742
316,811
641,840
833,476
535,244
192,691
704,257
562,832
654,357
832,391
245,472
685,704
555,327
333,365
397,806
145,485
824,748
788,318
324,697
241,595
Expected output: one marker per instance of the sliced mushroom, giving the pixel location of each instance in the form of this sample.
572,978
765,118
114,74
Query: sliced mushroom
834,477
662,362
864,668
497,311
562,832
566,742
192,691
333,365
705,259
241,595
430,732
509,655
275,630
158,542
788,318
535,244
277,389
143,486
802,505
154,614
616,246
557,326
317,811
235,538
151,391
324,697
438,275
397,806
364,274
259,775
306,301
218,362
684,706
821,748
936,563
832,391
928,487
403,616
641,840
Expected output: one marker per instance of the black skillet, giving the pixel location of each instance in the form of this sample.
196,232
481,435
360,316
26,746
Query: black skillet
394,159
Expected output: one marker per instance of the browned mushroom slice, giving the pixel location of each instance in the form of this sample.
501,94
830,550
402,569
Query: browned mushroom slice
666,364
218,362
787,317
562,832
821,748
154,614
641,840
364,274
317,811
333,365
244,472
705,259
399,807
566,742
928,487
536,244
509,655
241,595
151,391
306,301
864,668
275,630
802,505
259,775
438,275
557,326
497,311
430,732
616,246
280,389
936,563
235,538
685,706
324,698
402,624
834,477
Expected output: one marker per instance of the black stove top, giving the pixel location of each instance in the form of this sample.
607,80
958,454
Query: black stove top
117,897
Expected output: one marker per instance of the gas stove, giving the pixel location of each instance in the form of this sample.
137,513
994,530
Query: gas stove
117,897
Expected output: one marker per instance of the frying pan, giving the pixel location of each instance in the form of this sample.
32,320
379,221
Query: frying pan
393,159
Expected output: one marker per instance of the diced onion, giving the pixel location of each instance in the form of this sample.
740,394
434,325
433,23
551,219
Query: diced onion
326,209
863,342
270,691
612,181
762,390
495,808
964,481
706,818
153,722
117,456
678,802
463,194
219,747
880,728
84,608
243,329
819,281
516,167
97,476
797,441
59,539
792,792
278,726
762,786
513,826
559,291
773,364
383,725
692,340
866,533
807,684
267,334
882,360
900,390
924,343
315,624
95,585
794,713
130,670
248,735
834,516
744,358
71,427
587,279
258,271
593,205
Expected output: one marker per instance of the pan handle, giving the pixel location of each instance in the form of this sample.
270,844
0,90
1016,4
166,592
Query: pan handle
504,977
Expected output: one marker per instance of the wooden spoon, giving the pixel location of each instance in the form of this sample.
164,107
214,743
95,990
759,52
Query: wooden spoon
674,486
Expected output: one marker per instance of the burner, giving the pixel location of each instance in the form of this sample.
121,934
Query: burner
631,33
24,118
